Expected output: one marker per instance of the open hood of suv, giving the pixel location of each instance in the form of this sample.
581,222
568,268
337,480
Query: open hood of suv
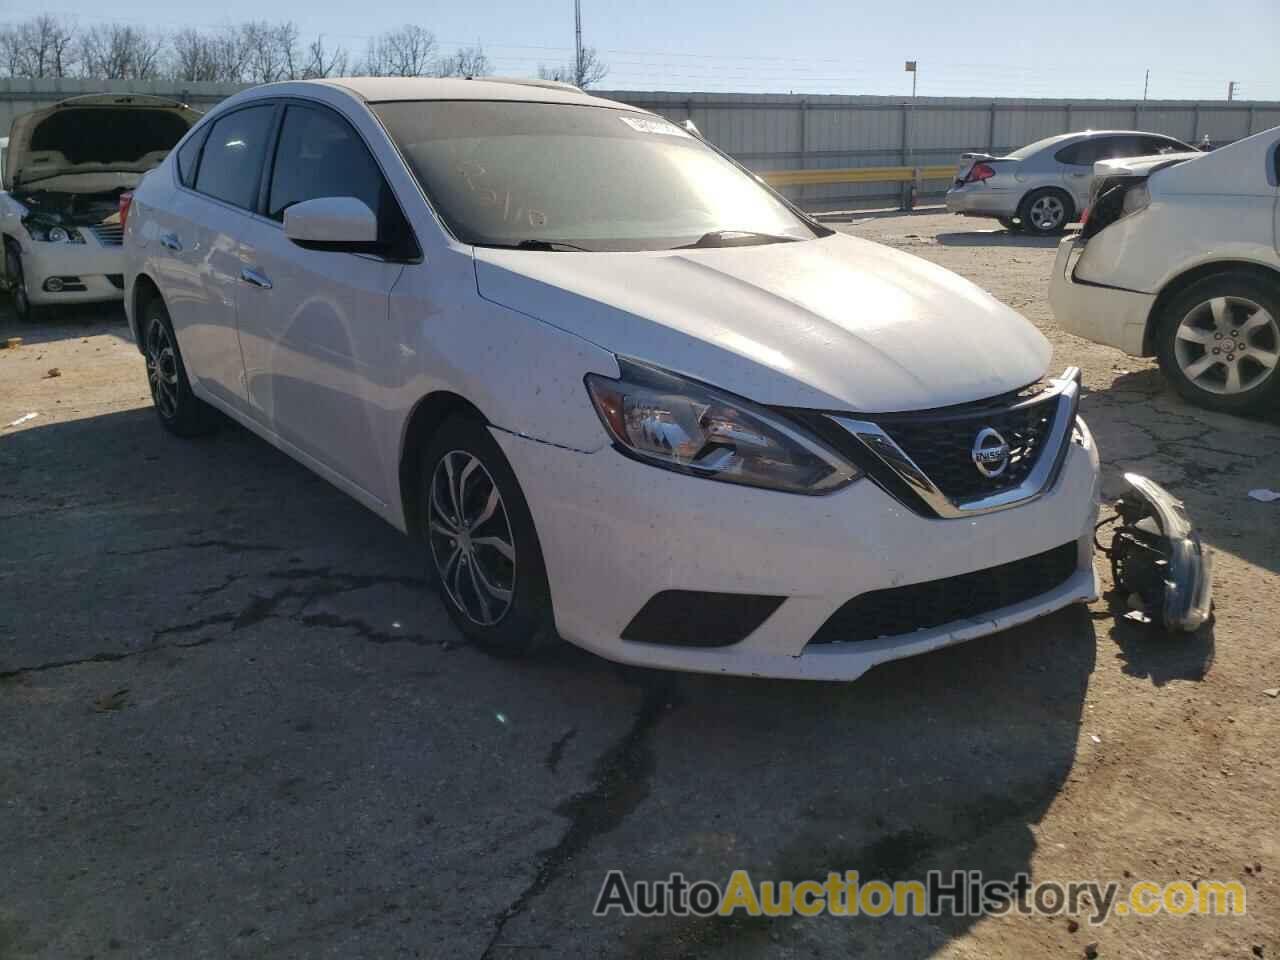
837,323
99,133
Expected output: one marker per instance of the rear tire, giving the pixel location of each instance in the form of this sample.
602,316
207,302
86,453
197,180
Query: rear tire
1238,315
180,411
1046,211
484,554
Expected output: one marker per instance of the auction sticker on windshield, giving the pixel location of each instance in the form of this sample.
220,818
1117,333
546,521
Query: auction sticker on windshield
653,125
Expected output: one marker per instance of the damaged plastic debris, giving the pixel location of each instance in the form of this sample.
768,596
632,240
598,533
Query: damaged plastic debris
23,419
1157,559
1264,495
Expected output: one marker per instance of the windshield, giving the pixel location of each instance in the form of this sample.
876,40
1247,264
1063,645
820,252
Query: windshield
510,173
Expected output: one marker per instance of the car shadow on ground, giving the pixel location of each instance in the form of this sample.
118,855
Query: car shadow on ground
66,323
945,761
998,237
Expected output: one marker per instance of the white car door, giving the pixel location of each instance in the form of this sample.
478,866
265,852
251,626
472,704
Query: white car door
318,353
197,240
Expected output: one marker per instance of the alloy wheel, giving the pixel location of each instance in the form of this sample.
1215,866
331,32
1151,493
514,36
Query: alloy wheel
162,369
470,536
1227,345
1047,212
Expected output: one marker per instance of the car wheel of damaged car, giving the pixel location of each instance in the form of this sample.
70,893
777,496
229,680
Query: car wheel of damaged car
180,410
22,307
1045,211
1219,343
484,551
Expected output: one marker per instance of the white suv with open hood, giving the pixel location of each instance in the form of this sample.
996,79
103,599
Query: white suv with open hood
621,390
66,168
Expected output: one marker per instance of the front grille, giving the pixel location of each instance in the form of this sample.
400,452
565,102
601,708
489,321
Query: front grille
942,446
109,234
923,606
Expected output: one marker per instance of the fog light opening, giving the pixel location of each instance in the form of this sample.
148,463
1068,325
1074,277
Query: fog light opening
53,285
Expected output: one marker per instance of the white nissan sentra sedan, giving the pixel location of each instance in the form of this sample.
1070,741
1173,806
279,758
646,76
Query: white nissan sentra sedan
624,392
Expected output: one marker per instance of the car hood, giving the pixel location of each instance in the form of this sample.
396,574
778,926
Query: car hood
96,135
836,323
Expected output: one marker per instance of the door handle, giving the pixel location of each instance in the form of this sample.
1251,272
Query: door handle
170,241
255,278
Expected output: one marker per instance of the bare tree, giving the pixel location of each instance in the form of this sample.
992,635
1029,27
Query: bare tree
220,56
406,52
43,46
117,51
587,69
322,62
466,62
271,51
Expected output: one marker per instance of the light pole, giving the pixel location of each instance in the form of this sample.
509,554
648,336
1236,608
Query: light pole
909,191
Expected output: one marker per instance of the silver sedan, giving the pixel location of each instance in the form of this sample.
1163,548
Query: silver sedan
1045,185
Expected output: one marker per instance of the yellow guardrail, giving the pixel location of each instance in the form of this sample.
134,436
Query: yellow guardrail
804,178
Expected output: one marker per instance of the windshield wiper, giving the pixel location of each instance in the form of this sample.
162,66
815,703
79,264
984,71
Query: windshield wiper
735,238
536,245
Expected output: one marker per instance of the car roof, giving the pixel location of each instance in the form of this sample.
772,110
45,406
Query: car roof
384,89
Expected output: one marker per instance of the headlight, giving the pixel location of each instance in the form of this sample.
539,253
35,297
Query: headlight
682,425
1135,199
52,233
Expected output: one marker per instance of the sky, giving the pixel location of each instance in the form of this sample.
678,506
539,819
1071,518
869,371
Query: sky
984,48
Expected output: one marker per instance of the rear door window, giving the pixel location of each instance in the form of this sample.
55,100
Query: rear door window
1079,154
231,163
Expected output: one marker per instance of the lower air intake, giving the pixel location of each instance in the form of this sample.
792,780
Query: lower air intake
935,603
693,618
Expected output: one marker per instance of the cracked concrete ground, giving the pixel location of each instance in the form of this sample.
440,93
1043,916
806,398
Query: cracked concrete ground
236,725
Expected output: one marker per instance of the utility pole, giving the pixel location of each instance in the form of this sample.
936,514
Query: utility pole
1146,84
577,42
1231,89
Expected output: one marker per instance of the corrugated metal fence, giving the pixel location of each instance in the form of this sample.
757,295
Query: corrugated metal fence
784,132
791,132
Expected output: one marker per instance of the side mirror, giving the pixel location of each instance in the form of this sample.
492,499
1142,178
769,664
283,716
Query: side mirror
332,223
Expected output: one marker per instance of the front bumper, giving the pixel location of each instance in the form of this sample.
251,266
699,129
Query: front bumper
1107,315
978,200
91,263
614,533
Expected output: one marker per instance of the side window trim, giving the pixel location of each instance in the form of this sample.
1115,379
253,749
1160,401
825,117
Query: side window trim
198,138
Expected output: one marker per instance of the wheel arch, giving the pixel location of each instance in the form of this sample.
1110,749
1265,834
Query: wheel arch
1182,281
420,426
144,291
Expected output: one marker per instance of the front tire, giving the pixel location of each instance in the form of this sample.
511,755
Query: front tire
18,297
484,551
1046,212
1218,343
180,411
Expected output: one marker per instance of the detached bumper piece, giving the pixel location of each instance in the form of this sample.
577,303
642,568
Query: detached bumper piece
1158,559
923,606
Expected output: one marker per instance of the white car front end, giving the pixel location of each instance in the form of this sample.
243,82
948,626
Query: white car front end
86,267
883,357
